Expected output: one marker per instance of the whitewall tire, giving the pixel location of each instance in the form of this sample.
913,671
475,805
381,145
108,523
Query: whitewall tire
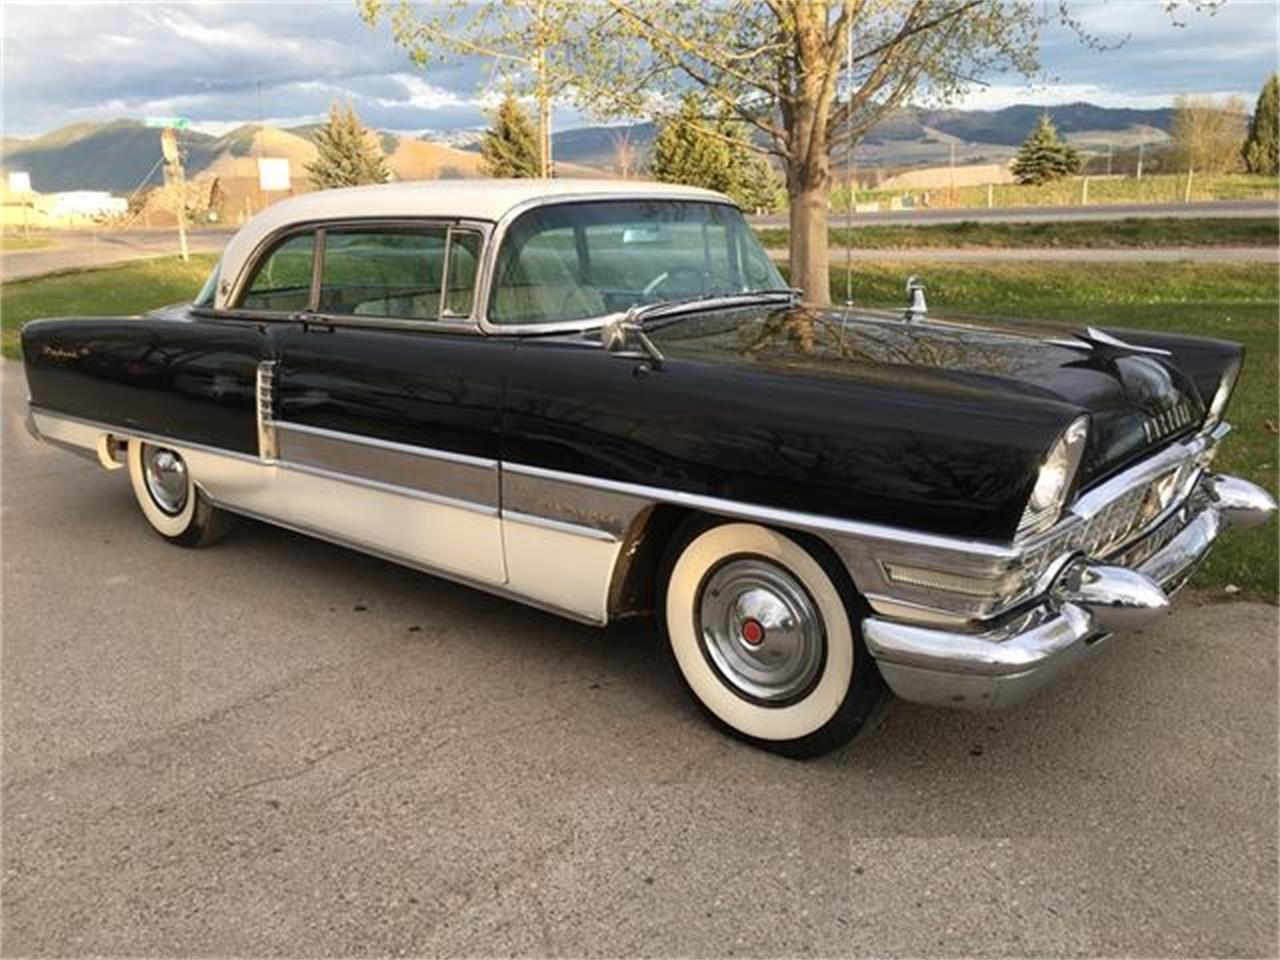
764,635
169,497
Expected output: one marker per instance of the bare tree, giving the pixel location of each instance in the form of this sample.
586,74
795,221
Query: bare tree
1208,134
626,156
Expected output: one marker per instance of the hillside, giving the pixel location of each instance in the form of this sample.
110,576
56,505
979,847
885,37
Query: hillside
118,155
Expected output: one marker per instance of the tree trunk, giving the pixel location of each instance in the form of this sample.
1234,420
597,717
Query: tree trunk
808,187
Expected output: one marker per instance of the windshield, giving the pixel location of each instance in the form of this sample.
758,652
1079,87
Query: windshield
573,261
205,297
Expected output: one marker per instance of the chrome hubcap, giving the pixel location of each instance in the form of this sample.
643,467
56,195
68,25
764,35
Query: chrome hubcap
166,475
760,630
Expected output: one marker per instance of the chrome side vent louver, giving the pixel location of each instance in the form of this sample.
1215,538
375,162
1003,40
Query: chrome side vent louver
265,394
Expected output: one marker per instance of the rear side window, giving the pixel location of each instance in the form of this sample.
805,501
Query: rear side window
383,273
282,280
464,259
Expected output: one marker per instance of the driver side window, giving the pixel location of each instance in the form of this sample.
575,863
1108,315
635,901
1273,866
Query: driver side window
282,280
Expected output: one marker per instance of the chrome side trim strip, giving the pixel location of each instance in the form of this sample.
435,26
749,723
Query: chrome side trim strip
444,501
775,515
574,529
429,452
492,588
455,478
159,438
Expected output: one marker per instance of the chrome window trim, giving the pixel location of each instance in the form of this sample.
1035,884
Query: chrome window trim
444,323
485,281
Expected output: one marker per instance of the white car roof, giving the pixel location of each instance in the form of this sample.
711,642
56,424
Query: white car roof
490,200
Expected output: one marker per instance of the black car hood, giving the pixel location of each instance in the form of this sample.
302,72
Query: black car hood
1136,396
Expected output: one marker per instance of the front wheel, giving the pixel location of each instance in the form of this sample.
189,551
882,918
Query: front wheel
760,631
169,498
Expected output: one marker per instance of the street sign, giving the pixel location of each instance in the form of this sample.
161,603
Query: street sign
177,123
19,181
273,173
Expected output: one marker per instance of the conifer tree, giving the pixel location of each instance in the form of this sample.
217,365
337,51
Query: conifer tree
1044,156
510,145
685,152
347,156
1262,146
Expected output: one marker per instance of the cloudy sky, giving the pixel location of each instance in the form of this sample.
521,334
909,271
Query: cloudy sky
224,63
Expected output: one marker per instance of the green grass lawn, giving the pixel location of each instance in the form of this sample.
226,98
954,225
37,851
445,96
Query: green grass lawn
1235,302
1160,188
1129,233
126,289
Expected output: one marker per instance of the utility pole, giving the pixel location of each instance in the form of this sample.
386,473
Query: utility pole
176,177
953,173
1141,144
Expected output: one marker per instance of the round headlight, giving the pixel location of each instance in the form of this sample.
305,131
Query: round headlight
1053,481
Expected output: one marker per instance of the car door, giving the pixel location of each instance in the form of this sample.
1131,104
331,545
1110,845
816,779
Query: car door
385,400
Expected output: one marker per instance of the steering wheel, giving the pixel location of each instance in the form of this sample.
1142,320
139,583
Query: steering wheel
700,276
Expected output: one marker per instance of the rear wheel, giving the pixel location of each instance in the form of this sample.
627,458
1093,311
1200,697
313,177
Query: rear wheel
172,503
762,636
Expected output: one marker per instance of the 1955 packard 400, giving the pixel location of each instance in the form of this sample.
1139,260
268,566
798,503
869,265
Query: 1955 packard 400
602,399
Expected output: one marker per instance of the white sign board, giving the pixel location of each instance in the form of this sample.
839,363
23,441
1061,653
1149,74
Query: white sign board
19,182
273,173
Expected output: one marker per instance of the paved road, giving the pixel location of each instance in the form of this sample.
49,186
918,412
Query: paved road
277,747
1218,208
1056,255
79,248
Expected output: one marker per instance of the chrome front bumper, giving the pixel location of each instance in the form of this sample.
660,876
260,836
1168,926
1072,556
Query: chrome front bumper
1006,663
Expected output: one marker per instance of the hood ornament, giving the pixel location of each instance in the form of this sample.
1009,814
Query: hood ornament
1103,342
916,306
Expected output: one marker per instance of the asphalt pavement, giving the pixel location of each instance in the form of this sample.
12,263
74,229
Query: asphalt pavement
76,249
837,257
278,747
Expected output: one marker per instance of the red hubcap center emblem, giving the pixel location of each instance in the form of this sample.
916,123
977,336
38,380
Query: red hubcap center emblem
752,632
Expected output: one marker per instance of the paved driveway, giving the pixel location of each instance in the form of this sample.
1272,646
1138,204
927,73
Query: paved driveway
75,249
279,747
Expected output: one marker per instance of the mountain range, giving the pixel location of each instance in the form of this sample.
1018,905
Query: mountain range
121,155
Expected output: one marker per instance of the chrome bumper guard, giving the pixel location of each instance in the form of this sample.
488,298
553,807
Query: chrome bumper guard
1088,602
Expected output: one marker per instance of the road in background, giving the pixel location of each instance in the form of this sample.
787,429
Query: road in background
74,249
839,256
1118,211
278,747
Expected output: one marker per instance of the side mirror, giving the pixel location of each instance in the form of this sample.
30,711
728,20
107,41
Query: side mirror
624,337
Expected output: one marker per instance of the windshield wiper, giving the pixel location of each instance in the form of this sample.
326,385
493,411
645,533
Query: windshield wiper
640,312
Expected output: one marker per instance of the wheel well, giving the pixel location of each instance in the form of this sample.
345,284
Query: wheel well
635,578
635,581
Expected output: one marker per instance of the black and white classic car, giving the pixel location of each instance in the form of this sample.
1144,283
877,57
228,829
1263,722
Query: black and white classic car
602,399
